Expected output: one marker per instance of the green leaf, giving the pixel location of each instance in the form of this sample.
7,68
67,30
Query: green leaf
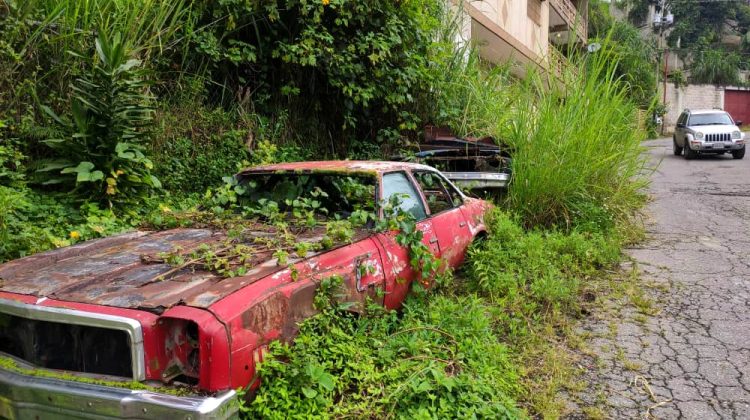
83,167
55,165
47,110
90,176
326,381
309,392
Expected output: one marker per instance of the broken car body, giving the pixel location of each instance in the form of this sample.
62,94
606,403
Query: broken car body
77,322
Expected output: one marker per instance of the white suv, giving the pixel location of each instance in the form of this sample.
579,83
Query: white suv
708,131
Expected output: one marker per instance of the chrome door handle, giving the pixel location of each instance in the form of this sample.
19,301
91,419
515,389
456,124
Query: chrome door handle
433,240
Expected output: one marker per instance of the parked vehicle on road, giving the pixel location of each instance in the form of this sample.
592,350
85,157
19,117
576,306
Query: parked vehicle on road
708,131
168,324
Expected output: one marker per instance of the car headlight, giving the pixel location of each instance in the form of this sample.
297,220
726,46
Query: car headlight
699,135
736,135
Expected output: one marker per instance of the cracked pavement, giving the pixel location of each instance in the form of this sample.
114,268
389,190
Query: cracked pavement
688,356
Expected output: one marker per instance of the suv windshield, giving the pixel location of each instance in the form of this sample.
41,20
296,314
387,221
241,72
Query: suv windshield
718,118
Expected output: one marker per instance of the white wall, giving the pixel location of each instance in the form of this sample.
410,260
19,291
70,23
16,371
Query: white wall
511,15
693,97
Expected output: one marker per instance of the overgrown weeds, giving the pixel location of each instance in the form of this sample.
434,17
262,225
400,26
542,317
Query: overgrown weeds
491,343
440,359
574,138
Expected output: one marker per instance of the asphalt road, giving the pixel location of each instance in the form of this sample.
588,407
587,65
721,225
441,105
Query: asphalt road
691,359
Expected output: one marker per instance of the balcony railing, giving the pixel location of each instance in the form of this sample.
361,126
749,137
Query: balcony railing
568,11
559,64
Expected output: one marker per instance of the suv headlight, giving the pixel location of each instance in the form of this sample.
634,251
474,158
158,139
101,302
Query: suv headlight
736,135
699,135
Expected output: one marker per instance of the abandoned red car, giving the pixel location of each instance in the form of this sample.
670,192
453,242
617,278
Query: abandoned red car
112,327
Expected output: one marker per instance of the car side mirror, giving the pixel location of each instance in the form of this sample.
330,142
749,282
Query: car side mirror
739,123
680,125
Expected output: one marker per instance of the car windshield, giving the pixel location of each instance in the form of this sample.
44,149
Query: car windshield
326,194
716,118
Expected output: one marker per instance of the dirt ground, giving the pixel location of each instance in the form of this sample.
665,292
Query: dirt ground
683,349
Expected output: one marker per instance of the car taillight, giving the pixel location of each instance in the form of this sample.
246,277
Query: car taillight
182,350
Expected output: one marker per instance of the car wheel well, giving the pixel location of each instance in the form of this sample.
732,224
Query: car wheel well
481,236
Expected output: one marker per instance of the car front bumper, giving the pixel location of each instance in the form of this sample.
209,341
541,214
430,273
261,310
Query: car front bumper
705,146
24,396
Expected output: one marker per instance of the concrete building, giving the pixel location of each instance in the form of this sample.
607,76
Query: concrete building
526,32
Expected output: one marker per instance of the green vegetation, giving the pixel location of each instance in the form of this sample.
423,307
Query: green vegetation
469,348
9,364
637,56
119,114
708,49
716,66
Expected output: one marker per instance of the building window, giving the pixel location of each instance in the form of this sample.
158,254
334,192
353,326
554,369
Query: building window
534,10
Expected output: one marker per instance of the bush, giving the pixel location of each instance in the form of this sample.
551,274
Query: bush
196,146
635,55
11,163
100,148
441,359
715,66
538,272
344,70
31,222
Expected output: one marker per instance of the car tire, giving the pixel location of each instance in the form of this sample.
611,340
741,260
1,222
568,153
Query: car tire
689,153
739,153
675,148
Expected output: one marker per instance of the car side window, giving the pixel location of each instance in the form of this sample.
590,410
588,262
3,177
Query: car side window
458,198
398,184
435,191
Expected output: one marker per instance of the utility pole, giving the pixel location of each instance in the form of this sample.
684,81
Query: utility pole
662,20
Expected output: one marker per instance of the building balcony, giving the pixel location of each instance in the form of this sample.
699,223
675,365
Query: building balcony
565,17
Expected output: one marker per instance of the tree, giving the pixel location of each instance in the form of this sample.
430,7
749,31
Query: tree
636,56
717,19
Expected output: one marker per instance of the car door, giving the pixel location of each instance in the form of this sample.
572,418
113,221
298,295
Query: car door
448,221
396,262
679,130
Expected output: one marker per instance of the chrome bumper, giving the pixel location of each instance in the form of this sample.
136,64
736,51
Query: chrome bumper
721,147
470,180
31,397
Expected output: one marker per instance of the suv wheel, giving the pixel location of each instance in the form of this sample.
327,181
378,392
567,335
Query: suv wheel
689,153
739,153
675,148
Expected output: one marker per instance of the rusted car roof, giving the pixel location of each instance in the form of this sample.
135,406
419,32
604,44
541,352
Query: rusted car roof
372,166
113,271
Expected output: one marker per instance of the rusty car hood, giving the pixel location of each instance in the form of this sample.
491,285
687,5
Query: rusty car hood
112,272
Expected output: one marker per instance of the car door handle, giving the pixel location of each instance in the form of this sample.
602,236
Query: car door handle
462,224
433,240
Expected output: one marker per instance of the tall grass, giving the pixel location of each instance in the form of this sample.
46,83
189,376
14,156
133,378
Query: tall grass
575,142
39,34
577,147
150,25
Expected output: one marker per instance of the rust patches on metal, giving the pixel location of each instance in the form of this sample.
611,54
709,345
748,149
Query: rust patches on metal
266,316
354,167
113,272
